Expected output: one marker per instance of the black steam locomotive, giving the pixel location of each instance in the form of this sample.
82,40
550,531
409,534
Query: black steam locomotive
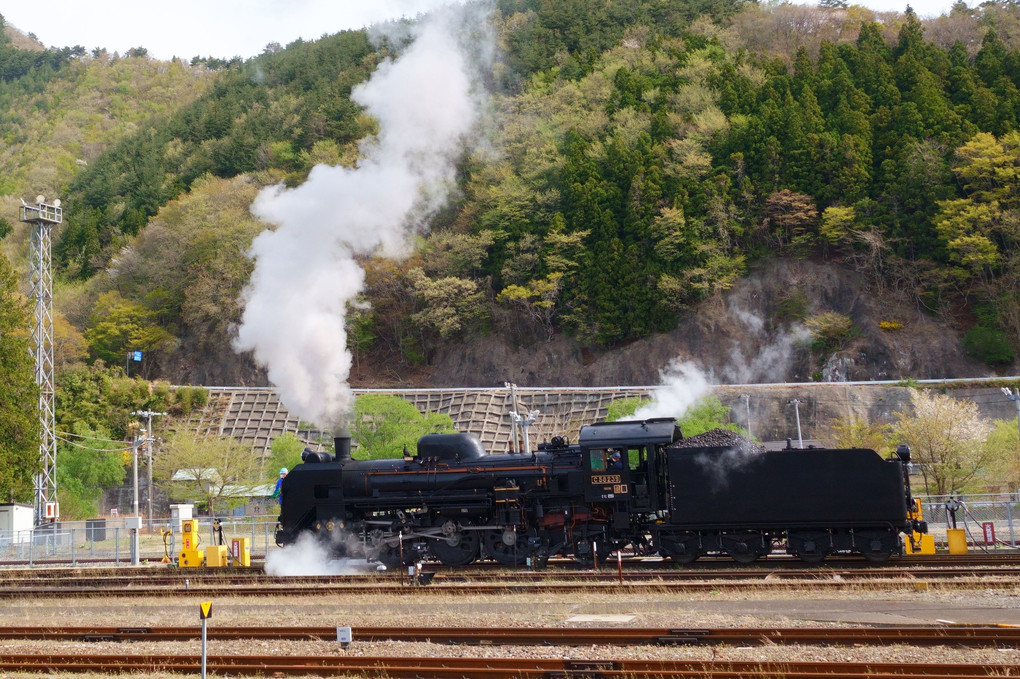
626,484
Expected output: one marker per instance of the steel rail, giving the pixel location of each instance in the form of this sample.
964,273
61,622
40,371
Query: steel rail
206,578
42,568
968,636
492,668
296,589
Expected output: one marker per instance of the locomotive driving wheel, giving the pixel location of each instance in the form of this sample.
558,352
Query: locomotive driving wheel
455,546
506,546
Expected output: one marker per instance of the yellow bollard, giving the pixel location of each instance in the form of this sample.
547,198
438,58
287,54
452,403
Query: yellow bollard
957,538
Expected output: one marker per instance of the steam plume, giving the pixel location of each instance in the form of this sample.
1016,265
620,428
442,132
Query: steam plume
305,271
683,384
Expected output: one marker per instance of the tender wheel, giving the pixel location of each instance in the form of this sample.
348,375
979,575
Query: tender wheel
681,549
744,548
880,556
458,547
876,546
808,547
812,557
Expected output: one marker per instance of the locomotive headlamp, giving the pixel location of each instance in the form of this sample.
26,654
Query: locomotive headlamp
903,452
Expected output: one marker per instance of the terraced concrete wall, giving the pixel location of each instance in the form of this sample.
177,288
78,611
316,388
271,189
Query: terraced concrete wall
257,417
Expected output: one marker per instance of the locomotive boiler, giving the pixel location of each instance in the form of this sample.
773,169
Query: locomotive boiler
629,484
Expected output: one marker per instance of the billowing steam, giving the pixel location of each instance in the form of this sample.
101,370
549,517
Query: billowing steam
683,384
309,556
762,356
305,270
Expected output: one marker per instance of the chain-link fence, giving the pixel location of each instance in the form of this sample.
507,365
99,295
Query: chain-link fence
109,540
988,520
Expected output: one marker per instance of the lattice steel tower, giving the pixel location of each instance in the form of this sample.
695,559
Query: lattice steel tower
42,217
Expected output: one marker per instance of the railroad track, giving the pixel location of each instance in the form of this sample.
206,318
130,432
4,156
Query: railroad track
172,575
199,579
488,668
1007,556
441,589
956,635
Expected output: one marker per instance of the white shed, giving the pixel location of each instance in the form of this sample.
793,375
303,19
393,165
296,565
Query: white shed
16,523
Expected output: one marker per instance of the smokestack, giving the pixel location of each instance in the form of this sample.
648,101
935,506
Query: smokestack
342,444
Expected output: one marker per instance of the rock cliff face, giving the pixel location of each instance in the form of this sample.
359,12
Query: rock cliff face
756,332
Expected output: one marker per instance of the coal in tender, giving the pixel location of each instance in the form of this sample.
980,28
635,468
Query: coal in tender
721,438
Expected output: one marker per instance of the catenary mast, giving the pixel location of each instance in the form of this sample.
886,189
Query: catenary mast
42,217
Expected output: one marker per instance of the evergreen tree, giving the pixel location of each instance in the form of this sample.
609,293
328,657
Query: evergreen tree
19,419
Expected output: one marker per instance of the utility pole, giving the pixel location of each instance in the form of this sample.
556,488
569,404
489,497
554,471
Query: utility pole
42,217
747,405
796,409
1015,398
148,415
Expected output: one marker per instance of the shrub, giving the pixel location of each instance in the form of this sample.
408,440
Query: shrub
989,345
830,331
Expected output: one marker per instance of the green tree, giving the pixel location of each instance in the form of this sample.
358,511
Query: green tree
384,425
706,414
118,326
1003,450
217,473
86,462
284,452
19,420
858,431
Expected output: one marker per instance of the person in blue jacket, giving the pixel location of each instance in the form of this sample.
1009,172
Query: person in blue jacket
279,485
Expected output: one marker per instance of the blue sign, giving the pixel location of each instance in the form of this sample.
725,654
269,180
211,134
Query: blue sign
136,357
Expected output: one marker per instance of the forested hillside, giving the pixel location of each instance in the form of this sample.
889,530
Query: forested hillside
642,157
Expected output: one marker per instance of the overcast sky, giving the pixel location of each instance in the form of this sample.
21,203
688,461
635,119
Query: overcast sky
226,28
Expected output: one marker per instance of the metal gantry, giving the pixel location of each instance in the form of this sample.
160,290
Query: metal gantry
42,217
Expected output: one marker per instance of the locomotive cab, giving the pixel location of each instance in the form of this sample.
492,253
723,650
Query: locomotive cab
621,460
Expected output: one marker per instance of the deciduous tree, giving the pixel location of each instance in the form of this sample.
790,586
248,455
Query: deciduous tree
385,425
219,473
946,438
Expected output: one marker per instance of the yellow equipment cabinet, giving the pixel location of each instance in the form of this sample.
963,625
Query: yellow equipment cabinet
190,556
216,556
919,543
957,539
240,551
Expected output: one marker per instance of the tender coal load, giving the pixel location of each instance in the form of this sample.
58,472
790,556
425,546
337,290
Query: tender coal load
721,438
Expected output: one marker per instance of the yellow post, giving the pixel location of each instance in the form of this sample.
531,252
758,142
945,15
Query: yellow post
957,538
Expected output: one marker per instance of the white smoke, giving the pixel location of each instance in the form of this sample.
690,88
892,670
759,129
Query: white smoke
683,385
309,556
760,356
305,271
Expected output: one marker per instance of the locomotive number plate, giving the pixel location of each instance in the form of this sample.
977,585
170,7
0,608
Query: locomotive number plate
606,479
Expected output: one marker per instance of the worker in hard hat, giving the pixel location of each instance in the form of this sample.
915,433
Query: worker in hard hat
279,485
